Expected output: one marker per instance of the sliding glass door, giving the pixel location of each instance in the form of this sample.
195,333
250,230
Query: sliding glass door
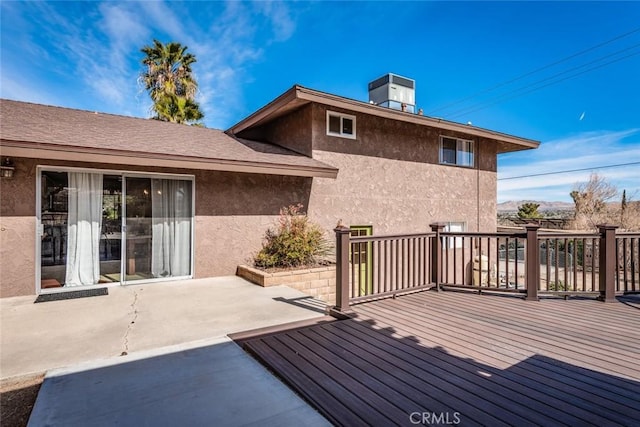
137,242
171,224
158,228
99,228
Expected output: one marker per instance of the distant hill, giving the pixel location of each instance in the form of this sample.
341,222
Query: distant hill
512,206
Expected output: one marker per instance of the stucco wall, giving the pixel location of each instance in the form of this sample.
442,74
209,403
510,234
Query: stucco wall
17,231
390,178
390,175
391,139
292,131
233,210
401,197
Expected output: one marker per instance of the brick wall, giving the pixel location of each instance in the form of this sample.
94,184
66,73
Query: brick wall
317,282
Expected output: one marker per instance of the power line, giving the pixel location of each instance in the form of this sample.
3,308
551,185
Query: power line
499,85
569,171
506,97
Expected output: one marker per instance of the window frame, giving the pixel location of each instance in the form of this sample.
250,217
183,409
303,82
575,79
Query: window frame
341,116
459,144
454,242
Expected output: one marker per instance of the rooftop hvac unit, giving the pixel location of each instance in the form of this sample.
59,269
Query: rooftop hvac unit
392,90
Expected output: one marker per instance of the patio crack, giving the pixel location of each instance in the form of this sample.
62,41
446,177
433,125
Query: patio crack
130,325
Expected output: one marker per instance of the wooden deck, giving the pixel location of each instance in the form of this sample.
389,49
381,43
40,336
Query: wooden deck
467,359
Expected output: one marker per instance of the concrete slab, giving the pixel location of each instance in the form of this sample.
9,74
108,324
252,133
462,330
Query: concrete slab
38,337
208,383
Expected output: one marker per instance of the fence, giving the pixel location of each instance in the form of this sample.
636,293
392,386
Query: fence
530,262
628,262
386,265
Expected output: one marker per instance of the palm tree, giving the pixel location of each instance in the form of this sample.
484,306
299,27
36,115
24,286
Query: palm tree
176,109
168,79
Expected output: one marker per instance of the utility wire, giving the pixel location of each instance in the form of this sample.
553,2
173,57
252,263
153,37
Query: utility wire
569,171
499,85
506,97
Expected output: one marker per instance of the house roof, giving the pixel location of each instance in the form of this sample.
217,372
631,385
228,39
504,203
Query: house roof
298,96
40,131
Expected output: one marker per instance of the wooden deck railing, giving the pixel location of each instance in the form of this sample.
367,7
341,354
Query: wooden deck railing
484,261
386,265
569,263
530,262
628,262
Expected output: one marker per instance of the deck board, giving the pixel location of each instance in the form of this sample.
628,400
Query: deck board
514,336
491,360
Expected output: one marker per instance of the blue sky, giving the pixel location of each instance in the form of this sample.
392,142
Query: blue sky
87,55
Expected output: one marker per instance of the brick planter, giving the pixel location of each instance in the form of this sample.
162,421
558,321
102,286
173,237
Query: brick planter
319,282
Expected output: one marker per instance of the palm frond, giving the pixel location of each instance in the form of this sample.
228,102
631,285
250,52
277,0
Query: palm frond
168,78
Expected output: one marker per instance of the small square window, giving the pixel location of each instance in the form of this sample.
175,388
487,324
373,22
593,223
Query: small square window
341,125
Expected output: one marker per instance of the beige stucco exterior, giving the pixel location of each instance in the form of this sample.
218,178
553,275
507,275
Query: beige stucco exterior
390,176
402,197
232,212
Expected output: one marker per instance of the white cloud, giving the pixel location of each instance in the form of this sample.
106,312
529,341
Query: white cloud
571,161
584,144
99,44
279,14
587,151
90,48
225,46
161,17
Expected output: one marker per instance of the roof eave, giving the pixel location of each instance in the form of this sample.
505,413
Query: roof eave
284,99
301,93
121,157
362,107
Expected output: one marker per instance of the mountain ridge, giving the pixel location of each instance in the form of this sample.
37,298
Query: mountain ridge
512,205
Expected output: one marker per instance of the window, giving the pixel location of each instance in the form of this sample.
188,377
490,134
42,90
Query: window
454,151
454,227
342,125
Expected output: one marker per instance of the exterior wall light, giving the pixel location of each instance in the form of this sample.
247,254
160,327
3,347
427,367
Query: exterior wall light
7,168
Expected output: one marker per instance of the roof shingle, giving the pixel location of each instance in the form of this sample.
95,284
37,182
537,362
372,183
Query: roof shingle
40,126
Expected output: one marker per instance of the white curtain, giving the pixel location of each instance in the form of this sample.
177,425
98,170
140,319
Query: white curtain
171,235
83,229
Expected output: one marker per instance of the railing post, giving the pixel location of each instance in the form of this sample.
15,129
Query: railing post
532,272
342,270
436,254
607,262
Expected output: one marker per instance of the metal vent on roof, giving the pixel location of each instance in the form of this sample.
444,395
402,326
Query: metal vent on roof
392,90
379,82
402,81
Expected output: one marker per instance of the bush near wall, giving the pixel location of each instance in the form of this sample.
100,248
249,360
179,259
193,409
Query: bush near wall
295,242
293,254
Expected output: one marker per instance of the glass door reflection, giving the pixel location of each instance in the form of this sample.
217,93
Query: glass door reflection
137,245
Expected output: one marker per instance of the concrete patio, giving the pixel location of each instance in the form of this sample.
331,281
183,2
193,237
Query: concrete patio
154,354
43,336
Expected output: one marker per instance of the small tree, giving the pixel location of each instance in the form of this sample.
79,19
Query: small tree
529,210
591,202
296,241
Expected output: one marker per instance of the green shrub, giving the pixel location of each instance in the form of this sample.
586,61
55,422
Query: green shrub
296,242
558,286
